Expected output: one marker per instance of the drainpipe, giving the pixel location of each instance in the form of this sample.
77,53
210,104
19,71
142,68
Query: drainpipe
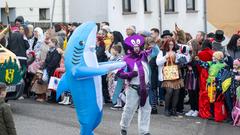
205,15
160,16
63,11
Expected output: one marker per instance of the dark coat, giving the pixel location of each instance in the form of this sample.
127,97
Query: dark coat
52,62
7,126
100,52
17,44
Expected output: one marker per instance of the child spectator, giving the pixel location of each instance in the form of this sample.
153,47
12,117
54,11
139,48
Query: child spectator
52,60
115,56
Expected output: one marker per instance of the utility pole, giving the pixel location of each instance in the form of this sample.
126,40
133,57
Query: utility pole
160,16
53,6
205,15
63,11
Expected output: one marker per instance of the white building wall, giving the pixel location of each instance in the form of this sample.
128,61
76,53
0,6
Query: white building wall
29,9
142,21
88,10
189,22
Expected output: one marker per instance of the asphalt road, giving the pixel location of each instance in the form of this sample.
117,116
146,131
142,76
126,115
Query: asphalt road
32,118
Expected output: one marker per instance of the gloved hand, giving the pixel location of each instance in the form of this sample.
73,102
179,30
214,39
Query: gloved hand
133,74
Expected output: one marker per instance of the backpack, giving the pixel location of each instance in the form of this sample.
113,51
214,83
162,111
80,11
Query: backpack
226,80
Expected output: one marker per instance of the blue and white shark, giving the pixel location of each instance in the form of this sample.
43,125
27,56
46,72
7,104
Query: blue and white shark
83,77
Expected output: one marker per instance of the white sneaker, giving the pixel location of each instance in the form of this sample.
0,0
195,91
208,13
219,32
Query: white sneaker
63,101
189,113
21,98
67,101
195,114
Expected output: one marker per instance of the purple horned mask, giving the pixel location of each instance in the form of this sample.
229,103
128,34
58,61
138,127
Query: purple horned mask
135,40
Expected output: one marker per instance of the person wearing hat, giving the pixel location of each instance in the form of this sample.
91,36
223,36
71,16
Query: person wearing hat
7,126
217,44
137,75
166,35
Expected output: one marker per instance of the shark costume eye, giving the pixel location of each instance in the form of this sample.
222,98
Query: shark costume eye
81,43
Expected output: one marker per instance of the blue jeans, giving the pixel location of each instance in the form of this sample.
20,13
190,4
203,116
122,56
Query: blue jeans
154,94
161,93
153,97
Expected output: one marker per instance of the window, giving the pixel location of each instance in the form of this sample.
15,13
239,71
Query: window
12,15
169,5
190,5
44,14
126,5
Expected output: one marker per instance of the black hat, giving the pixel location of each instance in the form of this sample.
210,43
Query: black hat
75,24
219,36
166,33
19,19
210,35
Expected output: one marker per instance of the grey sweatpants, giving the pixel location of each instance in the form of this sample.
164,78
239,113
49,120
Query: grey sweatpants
144,113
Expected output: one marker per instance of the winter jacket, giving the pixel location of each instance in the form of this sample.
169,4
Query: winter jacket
52,61
7,126
17,44
100,52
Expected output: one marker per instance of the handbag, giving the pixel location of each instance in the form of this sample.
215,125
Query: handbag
170,72
220,111
53,83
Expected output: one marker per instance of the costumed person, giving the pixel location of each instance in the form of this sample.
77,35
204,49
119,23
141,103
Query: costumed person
214,67
205,55
7,126
137,74
82,77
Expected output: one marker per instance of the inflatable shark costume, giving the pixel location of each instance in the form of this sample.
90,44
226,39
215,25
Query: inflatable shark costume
138,76
82,76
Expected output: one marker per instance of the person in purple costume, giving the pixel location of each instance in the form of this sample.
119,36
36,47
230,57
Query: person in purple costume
138,75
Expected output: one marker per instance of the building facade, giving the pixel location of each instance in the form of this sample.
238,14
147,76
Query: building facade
35,10
190,15
144,14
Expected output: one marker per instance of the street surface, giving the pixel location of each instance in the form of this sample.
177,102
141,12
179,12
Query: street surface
32,118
